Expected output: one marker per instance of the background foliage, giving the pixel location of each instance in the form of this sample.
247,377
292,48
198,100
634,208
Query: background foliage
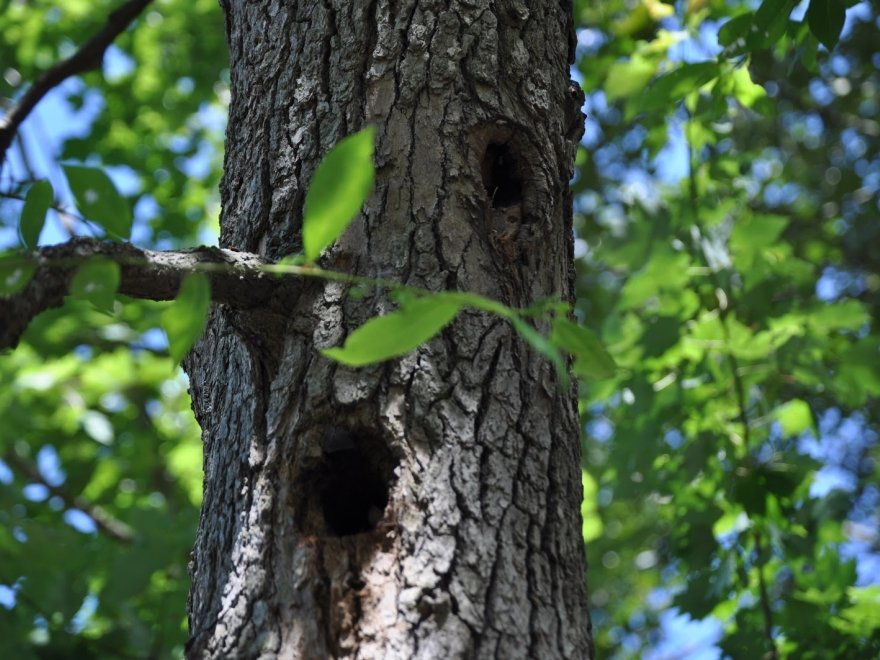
726,214
96,417
728,210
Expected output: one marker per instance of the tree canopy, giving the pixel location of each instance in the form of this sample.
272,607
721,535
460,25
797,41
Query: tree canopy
727,344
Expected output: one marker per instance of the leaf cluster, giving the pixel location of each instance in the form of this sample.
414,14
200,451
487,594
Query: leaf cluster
100,457
728,267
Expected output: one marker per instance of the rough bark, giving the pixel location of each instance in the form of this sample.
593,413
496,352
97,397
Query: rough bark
427,507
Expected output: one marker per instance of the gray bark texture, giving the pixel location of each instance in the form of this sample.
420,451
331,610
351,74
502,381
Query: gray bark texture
427,507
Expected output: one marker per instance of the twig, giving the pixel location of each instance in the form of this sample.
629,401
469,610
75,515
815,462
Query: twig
772,651
59,208
738,385
742,405
112,527
89,56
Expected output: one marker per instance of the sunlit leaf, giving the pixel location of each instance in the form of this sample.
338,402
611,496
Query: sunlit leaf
337,191
97,281
794,417
592,521
744,90
863,616
842,315
97,426
185,462
627,77
732,522
396,333
98,200
641,16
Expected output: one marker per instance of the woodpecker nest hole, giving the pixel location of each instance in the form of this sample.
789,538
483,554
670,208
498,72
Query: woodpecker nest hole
346,491
501,180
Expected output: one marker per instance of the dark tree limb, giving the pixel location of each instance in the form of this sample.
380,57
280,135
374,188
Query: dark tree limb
88,57
237,279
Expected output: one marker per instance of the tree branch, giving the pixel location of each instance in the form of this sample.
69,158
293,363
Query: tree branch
237,279
89,56
112,527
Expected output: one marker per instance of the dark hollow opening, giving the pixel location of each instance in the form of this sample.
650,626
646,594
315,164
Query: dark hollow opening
352,482
498,168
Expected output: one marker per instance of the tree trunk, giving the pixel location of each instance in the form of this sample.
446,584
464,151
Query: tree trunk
427,507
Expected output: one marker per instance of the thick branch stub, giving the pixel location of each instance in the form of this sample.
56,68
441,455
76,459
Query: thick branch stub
236,279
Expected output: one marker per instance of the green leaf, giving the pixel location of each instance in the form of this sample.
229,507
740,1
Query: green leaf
97,281
736,28
482,303
185,320
863,616
534,338
842,315
752,235
33,215
15,273
592,360
337,192
734,521
744,90
398,332
592,521
771,19
626,77
671,87
544,346
826,19
794,417
98,200
770,11
857,377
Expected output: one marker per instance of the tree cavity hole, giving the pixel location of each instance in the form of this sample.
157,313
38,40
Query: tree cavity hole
348,489
499,169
